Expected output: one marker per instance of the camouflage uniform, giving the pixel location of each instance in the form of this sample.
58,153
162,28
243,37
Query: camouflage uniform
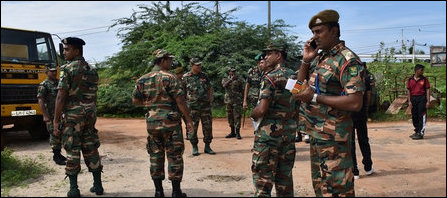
80,81
331,129
158,89
274,144
233,101
254,80
48,91
197,99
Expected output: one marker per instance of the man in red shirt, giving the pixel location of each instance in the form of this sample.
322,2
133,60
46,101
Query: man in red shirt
418,100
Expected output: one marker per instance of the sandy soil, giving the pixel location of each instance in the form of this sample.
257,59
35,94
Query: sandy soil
404,167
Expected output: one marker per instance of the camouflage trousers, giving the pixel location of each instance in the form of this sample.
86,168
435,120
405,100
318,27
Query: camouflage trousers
234,112
203,115
55,141
79,134
170,142
273,160
331,168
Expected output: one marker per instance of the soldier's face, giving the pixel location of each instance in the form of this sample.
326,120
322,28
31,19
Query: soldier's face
196,68
70,52
51,74
262,65
272,58
166,63
324,37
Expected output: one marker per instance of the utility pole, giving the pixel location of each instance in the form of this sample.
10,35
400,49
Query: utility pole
269,19
216,5
413,51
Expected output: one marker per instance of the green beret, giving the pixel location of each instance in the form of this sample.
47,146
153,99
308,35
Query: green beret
325,16
195,61
73,41
274,46
260,56
161,53
178,70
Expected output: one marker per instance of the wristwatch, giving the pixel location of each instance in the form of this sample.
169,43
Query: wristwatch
314,99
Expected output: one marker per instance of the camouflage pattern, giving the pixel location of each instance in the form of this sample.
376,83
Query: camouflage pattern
81,83
48,91
158,90
274,144
197,99
254,80
233,101
331,126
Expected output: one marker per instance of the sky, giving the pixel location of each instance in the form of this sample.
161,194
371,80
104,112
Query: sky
363,24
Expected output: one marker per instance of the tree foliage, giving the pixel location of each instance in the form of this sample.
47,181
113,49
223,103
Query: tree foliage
190,31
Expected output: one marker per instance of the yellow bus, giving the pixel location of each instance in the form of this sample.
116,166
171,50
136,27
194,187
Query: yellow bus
25,55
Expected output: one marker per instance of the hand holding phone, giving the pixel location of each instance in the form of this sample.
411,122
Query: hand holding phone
313,44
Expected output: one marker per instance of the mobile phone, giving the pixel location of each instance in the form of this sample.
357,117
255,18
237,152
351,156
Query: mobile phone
313,44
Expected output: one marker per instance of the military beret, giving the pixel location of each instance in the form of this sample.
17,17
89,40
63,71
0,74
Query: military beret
195,61
51,68
323,17
73,41
178,70
274,46
161,53
260,56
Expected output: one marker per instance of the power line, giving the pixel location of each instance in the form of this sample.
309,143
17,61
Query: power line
396,27
83,30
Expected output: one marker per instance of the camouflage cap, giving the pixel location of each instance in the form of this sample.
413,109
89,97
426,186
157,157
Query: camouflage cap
178,70
323,17
73,41
260,56
274,46
51,68
232,69
161,53
195,61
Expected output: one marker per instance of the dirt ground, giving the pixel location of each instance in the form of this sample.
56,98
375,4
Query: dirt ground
403,167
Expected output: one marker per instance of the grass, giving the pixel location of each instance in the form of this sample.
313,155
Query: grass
18,172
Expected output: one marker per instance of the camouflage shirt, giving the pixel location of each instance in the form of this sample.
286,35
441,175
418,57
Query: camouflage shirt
81,83
281,113
233,91
197,89
254,80
48,92
325,122
158,90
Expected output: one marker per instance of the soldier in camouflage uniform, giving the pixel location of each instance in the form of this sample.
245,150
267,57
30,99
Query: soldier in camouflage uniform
274,147
46,96
199,96
179,72
160,91
76,98
334,90
233,100
251,91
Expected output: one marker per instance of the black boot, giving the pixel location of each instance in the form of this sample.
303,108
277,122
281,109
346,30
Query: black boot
58,157
232,134
195,150
74,191
208,149
238,134
176,191
158,188
97,184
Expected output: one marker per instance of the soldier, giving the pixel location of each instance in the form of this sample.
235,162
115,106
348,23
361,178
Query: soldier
46,96
179,74
77,97
199,96
335,75
233,100
161,92
274,143
253,83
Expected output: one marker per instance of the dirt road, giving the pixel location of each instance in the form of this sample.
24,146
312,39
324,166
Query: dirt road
404,167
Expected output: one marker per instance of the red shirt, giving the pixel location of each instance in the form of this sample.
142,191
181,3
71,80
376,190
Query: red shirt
418,87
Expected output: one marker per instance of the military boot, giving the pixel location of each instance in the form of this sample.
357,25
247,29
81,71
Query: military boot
238,134
74,191
232,134
97,184
176,191
195,150
158,188
208,149
58,157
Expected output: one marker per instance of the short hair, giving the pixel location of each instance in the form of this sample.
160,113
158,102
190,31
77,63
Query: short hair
418,66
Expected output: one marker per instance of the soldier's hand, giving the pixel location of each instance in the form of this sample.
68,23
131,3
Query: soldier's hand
46,119
189,128
56,130
309,53
306,95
